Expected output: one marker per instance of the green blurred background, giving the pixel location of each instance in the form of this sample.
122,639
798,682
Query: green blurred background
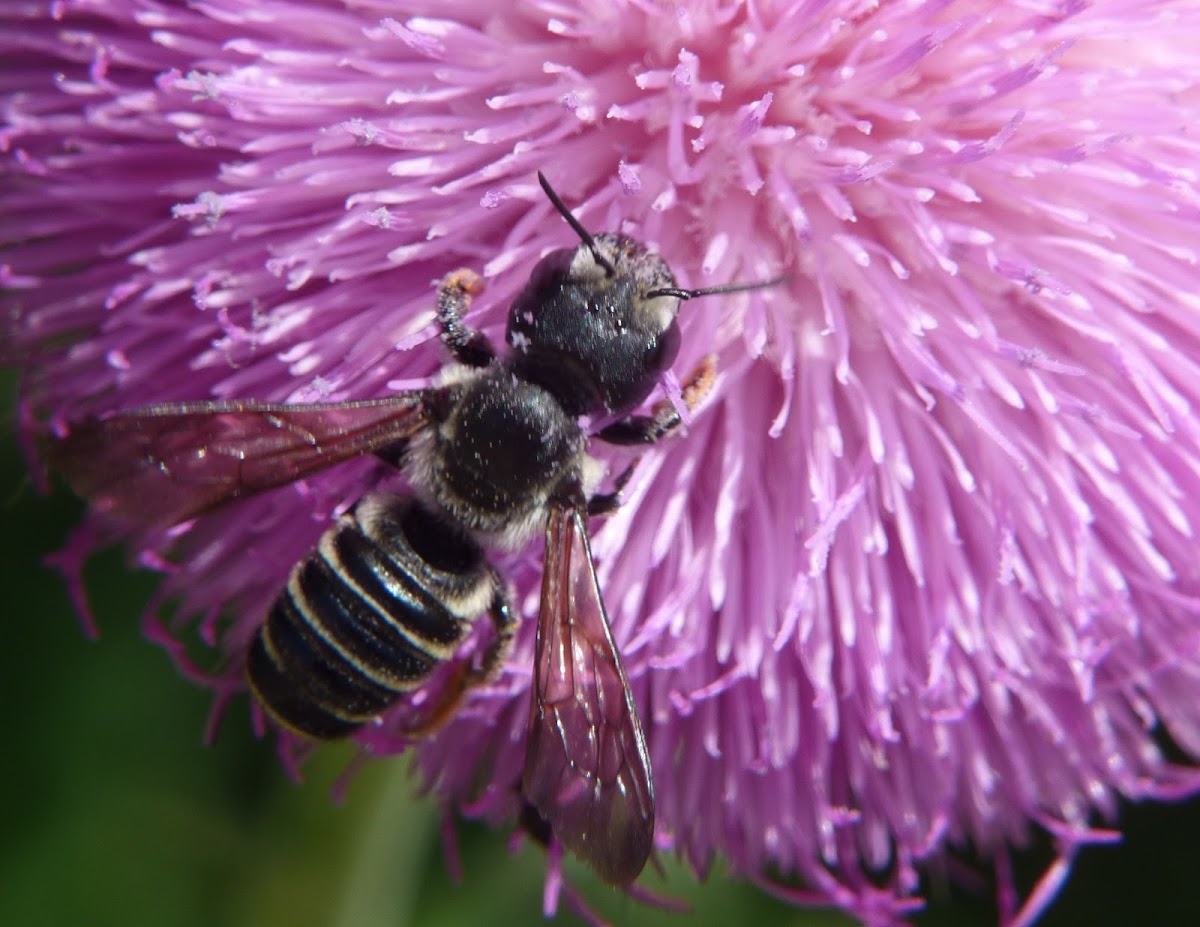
114,813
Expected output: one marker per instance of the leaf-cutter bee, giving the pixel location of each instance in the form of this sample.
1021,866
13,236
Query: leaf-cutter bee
494,454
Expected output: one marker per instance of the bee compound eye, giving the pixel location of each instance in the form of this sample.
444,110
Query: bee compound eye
666,348
550,270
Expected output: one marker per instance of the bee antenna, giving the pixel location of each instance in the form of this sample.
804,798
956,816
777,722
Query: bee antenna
583,233
710,290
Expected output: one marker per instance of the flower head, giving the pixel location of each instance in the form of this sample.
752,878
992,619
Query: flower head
921,573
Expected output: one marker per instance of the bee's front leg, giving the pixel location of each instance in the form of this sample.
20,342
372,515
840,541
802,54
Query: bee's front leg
468,346
664,418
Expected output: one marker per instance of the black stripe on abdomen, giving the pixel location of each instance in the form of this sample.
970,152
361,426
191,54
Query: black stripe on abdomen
362,620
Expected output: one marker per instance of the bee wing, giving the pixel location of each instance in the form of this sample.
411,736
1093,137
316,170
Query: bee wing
586,767
163,464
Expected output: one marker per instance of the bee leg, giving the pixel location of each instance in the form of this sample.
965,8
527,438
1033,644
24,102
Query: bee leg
664,418
394,453
498,650
606,502
464,678
649,429
454,295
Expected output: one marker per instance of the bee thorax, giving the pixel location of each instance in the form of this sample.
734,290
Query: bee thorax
504,448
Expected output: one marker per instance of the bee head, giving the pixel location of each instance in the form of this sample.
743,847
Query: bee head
596,324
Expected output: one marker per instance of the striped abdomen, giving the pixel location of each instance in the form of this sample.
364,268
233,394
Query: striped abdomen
388,593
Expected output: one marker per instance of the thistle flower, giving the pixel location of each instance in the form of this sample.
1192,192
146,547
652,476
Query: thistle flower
920,576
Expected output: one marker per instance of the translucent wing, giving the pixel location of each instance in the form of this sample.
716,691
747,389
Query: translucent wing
586,767
163,464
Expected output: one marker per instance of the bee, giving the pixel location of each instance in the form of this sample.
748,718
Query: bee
494,454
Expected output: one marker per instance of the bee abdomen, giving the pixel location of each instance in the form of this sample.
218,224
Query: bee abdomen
386,596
